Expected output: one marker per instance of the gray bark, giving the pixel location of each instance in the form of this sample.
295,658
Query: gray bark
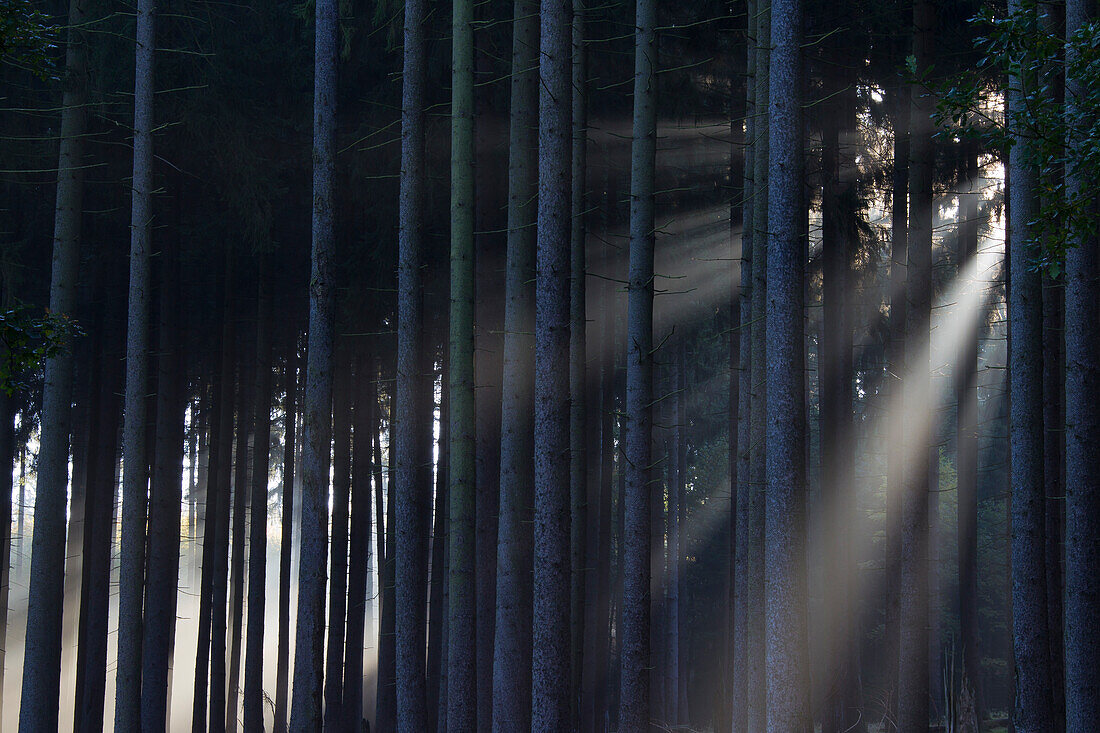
550,676
410,499
512,648
461,588
134,435
253,694
913,678
338,544
282,663
42,661
1082,582
787,660
164,508
634,700
306,713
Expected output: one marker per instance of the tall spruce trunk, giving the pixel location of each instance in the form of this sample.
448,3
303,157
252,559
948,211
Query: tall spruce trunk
42,657
739,472
164,506
966,462
217,506
338,545
550,674
410,499
634,702
755,660
895,388
230,674
365,417
461,589
134,435
913,678
437,620
1031,642
512,649
7,460
91,673
253,694
306,712
286,543
787,658
578,363
1082,582
385,715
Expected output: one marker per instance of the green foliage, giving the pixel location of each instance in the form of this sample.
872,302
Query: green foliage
1023,46
28,339
26,38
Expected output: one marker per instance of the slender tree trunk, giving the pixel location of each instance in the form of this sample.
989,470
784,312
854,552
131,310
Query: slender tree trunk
91,674
785,566
135,472
359,546
740,443
913,680
227,705
306,713
895,367
966,462
677,468
1053,488
578,361
550,674
386,712
338,545
755,662
437,621
634,703
461,618
164,507
257,538
1031,642
1082,582
42,658
512,651
7,460
282,665
217,509
409,493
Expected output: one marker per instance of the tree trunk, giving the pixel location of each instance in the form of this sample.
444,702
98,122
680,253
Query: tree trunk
7,460
785,526
214,548
306,712
461,589
913,679
257,537
411,565
91,674
578,361
1082,582
282,665
135,473
42,657
386,708
229,681
359,545
437,620
512,651
740,443
550,674
1031,642
966,461
338,545
895,367
164,506
634,703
